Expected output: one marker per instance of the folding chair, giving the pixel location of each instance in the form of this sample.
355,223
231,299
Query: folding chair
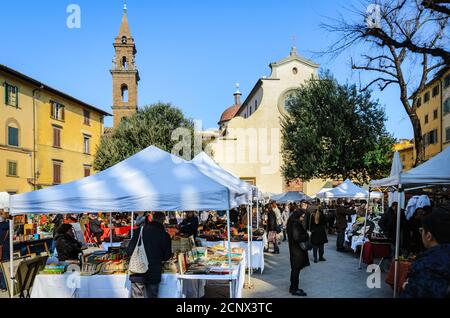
26,274
88,236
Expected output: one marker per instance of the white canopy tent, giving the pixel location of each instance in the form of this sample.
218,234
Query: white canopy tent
151,180
210,168
349,190
4,200
434,172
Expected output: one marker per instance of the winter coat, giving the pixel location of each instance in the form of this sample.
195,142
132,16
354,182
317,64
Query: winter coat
318,231
68,248
4,241
95,226
341,218
297,234
158,247
388,224
272,222
189,226
429,276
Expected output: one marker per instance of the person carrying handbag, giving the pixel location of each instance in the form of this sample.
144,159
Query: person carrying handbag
298,249
149,248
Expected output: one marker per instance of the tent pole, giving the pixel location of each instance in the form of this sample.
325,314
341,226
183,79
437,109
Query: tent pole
257,214
397,238
364,230
229,254
248,245
11,257
132,225
251,238
110,229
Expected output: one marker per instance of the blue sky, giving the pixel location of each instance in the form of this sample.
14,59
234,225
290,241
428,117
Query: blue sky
190,52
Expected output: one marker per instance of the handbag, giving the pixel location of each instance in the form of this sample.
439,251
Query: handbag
307,246
138,261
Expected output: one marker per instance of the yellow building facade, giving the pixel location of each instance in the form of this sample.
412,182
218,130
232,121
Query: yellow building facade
407,153
51,136
431,111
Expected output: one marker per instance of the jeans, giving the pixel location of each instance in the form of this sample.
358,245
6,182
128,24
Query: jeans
284,234
340,240
139,290
295,279
319,248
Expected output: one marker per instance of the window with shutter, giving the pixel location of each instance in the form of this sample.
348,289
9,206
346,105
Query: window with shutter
12,169
13,136
56,137
11,95
447,106
56,172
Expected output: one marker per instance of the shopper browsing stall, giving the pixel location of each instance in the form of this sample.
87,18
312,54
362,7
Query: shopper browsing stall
189,226
158,248
429,276
316,224
67,246
341,224
95,225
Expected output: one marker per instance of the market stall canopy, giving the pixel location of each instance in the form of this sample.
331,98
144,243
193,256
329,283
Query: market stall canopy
292,196
348,190
321,191
435,171
151,180
209,167
396,169
4,200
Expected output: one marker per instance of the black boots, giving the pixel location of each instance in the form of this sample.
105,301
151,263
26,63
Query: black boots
299,293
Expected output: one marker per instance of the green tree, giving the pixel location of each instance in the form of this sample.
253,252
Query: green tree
151,125
334,131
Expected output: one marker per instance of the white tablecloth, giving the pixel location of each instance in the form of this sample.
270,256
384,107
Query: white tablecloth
118,286
106,286
257,250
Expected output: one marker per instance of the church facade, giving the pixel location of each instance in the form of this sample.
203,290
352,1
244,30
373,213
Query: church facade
249,142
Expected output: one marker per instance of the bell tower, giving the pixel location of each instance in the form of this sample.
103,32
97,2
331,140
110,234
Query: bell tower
124,73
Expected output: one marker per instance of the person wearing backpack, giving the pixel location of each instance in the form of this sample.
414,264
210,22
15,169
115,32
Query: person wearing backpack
158,249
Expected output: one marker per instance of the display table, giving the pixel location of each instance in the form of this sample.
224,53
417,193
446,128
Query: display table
237,279
374,250
106,286
257,250
118,286
403,269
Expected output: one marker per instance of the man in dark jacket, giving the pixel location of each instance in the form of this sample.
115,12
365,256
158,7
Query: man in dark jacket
67,246
189,226
298,257
95,225
341,224
158,248
429,276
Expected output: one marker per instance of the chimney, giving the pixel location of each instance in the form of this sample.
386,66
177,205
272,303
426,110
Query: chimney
237,96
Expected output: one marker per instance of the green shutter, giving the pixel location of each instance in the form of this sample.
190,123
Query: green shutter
6,93
17,96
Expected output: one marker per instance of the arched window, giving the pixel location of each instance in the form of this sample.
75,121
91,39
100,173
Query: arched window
124,93
124,63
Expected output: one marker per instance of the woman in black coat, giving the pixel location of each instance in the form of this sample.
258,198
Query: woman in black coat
317,225
67,246
299,258
272,231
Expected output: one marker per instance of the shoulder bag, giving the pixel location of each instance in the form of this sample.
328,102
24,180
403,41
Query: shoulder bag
138,261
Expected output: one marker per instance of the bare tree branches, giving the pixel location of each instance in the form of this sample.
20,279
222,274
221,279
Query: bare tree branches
393,39
437,5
